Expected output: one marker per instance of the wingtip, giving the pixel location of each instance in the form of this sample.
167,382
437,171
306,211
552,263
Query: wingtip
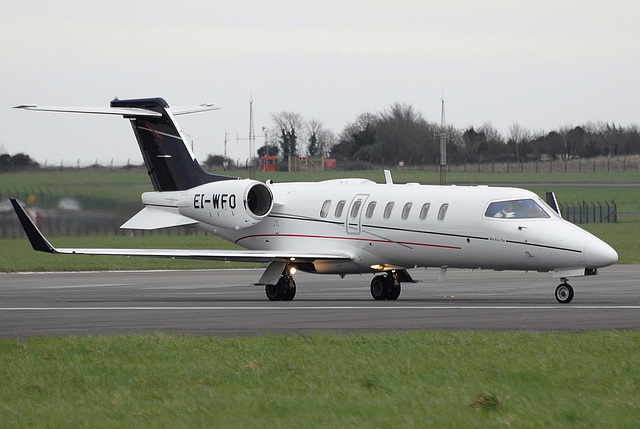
37,240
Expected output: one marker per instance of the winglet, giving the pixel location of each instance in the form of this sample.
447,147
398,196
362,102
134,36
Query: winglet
38,241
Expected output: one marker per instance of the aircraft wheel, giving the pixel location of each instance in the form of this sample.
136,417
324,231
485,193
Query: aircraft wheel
380,288
289,290
564,293
394,292
274,292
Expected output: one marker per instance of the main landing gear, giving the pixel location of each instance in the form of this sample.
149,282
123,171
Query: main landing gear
284,290
564,292
386,286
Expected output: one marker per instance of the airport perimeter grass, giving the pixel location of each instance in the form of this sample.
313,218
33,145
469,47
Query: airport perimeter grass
120,189
421,379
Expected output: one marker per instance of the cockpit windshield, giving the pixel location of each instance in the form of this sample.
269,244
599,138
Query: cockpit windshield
516,209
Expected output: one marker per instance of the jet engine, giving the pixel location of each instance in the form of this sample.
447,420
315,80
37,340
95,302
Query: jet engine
233,204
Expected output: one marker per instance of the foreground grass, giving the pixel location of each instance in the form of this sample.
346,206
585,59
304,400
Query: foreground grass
422,379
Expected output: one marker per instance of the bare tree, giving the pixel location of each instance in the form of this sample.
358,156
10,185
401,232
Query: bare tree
289,127
314,145
327,139
518,141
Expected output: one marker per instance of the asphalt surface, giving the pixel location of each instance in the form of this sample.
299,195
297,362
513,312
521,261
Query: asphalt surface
223,302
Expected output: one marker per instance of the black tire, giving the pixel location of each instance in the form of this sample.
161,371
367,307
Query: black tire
394,292
289,291
380,288
564,293
274,292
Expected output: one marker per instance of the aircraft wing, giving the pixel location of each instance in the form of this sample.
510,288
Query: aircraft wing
40,243
123,111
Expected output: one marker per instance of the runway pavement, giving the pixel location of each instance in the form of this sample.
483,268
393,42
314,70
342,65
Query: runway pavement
223,302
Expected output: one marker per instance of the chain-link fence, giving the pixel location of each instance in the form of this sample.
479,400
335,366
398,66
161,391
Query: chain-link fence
590,212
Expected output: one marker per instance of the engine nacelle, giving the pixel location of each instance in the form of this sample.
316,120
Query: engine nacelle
233,204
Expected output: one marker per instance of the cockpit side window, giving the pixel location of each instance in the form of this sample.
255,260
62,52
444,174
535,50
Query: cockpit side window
526,208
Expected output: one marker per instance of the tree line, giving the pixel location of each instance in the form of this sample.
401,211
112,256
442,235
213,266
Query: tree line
400,133
17,162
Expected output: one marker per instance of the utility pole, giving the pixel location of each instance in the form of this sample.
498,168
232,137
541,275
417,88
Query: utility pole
225,160
443,148
252,143
266,141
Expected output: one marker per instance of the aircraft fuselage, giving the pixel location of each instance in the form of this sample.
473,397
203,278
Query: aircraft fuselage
427,226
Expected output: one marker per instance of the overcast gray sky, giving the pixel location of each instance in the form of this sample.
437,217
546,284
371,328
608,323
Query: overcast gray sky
543,64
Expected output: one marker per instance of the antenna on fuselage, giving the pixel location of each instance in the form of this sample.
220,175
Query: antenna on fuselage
387,177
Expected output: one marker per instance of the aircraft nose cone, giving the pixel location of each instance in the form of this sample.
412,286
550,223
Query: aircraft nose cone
600,254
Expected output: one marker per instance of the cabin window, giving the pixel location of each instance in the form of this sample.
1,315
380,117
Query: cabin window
405,210
387,210
355,208
325,208
339,208
443,211
424,210
516,209
370,208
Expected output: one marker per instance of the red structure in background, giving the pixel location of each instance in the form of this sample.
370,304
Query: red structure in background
268,163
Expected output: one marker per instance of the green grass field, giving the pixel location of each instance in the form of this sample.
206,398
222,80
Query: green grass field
118,188
420,379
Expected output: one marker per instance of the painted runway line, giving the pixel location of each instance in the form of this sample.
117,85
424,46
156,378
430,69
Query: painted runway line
330,308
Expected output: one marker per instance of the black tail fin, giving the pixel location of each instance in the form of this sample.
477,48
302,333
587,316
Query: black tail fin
553,202
170,162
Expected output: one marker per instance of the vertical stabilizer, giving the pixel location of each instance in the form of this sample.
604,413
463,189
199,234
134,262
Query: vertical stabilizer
170,163
553,202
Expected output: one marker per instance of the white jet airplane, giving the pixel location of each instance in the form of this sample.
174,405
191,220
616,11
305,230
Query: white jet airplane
342,226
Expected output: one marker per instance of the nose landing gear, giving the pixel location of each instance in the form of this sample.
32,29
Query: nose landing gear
564,292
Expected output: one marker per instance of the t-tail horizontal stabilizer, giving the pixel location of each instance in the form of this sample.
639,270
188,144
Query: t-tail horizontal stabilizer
170,162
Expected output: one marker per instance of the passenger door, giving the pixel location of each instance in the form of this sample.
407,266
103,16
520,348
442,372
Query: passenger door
354,214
